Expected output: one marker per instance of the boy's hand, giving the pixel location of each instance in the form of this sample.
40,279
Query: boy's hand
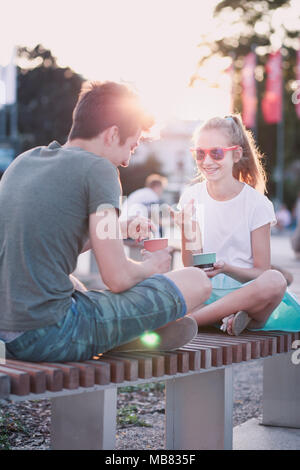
159,261
138,228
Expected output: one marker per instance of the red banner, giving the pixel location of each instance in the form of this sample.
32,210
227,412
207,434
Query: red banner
249,99
297,97
272,100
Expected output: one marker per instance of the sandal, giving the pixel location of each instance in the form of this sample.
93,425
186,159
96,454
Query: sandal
240,322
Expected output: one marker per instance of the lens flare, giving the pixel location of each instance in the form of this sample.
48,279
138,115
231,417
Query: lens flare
150,339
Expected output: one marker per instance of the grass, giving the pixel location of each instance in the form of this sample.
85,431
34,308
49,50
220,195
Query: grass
149,387
127,416
8,426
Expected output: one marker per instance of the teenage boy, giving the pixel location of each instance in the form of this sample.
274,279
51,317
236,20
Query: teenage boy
58,201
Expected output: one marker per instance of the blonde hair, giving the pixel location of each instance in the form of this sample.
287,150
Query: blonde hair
249,168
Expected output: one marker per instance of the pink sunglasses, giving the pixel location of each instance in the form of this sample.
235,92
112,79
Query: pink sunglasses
216,153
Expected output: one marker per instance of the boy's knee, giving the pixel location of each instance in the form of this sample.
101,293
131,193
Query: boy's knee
201,279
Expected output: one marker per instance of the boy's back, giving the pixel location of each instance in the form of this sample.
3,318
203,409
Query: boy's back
44,225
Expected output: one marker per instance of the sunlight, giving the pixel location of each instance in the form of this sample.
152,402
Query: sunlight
152,45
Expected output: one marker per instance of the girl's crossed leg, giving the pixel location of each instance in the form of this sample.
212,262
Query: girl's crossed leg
258,299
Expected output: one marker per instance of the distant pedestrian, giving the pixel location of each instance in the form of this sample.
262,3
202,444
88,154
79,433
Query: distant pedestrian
284,217
145,201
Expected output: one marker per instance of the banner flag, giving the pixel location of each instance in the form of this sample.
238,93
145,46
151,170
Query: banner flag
272,100
249,99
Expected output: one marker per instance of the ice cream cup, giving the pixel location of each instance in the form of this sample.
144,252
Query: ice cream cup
204,260
155,244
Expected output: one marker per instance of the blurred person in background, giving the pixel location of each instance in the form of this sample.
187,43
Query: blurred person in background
141,201
283,217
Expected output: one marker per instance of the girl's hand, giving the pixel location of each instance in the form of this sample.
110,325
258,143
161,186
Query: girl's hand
219,267
183,216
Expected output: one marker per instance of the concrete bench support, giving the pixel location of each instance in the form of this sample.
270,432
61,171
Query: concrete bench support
281,391
85,421
199,411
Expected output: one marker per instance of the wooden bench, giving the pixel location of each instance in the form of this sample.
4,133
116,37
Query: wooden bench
199,389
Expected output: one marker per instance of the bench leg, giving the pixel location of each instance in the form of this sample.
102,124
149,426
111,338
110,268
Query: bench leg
86,421
281,391
199,411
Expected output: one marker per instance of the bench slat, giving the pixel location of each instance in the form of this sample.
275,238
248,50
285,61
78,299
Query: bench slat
19,381
54,377
270,339
183,359
195,356
117,369
227,353
286,339
102,371
241,348
70,374
158,363
144,363
86,373
37,378
263,340
4,385
280,348
131,367
170,361
216,352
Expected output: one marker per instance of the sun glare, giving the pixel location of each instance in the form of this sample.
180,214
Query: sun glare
152,45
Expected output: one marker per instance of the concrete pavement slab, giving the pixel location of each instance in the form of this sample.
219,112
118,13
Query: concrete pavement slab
253,436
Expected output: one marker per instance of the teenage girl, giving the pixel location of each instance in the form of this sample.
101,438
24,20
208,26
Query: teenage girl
234,218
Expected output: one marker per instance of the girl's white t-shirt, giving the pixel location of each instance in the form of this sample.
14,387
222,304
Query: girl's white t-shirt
226,226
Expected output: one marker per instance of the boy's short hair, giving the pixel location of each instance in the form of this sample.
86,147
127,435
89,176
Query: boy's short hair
102,105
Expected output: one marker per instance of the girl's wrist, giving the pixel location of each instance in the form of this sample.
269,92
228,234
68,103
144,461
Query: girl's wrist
227,269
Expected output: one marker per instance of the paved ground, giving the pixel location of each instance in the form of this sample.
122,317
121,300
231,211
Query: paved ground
283,255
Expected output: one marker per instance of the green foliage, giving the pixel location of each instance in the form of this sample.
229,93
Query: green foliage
47,95
127,416
148,387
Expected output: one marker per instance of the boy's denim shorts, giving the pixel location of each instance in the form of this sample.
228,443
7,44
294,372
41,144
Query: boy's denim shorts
101,320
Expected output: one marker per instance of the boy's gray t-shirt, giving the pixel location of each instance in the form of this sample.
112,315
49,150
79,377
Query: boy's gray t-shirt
46,196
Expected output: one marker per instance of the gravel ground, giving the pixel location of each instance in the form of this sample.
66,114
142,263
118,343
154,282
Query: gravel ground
26,425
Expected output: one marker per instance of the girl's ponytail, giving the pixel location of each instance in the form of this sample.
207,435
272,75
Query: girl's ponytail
249,168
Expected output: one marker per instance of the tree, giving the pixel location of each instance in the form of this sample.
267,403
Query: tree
259,25
47,95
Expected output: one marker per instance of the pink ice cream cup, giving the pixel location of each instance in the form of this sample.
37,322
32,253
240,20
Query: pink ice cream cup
155,244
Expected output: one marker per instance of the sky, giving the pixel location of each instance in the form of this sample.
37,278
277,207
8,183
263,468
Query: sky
150,43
